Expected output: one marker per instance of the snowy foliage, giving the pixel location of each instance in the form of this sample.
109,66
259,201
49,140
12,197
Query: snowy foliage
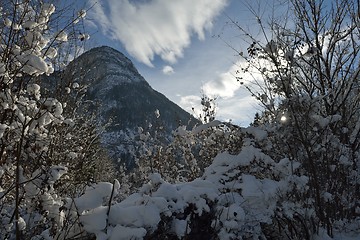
307,79
189,152
43,150
293,174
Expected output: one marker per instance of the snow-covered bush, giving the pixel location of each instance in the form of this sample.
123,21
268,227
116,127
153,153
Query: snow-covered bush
239,196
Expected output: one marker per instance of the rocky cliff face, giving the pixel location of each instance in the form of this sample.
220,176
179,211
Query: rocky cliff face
126,101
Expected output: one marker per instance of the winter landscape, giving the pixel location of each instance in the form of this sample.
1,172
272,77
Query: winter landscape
89,150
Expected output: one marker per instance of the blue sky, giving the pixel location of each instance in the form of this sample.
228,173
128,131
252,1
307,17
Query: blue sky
175,46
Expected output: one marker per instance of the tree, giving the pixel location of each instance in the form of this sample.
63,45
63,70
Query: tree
41,140
309,87
208,110
189,152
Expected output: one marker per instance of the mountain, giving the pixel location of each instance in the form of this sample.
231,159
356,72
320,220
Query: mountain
126,101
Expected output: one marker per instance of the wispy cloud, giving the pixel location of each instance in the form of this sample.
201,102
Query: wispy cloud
224,85
191,103
168,70
155,27
239,109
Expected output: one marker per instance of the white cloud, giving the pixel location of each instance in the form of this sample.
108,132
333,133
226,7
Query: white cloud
156,27
239,109
168,70
224,85
191,103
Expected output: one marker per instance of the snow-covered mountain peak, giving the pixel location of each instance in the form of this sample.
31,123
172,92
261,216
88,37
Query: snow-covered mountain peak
105,64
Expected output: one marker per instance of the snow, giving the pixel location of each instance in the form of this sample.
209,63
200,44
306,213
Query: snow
45,119
52,205
224,162
51,52
253,189
157,113
33,64
75,85
325,121
62,36
53,106
3,128
286,166
34,89
69,122
180,131
258,133
181,227
96,195
82,13
94,220
7,22
56,172
135,216
205,126
125,233
72,155
29,25
47,9
2,69
84,37
141,212
21,223
155,178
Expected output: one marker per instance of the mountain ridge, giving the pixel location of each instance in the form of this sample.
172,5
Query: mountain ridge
126,100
